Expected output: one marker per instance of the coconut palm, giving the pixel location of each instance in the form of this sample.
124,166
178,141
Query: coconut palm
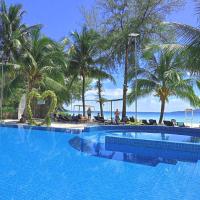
13,32
84,58
190,37
43,64
164,78
99,87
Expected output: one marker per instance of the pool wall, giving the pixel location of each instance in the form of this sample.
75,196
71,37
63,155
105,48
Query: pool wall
43,128
149,129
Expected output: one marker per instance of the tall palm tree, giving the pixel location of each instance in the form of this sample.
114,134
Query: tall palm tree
84,58
164,78
99,87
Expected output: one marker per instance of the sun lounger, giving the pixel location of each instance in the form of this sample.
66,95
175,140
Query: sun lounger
152,122
99,119
83,120
180,124
132,119
168,123
144,122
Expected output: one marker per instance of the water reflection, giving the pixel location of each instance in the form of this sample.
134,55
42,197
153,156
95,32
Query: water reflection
142,155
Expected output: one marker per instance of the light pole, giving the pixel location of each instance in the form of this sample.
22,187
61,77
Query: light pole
4,61
135,35
2,91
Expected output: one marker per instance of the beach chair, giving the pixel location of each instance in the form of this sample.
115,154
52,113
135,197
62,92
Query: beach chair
168,123
174,122
99,119
180,124
152,122
144,122
132,119
83,119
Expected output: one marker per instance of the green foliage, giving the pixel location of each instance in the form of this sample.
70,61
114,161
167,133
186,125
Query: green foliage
13,32
35,94
117,19
162,77
84,58
9,109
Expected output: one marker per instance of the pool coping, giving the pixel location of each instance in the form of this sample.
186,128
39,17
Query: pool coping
44,128
149,128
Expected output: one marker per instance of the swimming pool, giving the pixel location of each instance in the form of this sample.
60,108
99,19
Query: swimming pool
38,164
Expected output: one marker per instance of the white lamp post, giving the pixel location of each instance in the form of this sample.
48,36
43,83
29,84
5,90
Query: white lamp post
135,35
4,62
2,91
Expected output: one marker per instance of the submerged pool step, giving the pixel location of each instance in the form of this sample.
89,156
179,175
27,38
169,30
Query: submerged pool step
153,148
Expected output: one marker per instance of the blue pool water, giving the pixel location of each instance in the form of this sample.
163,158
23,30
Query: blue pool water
48,165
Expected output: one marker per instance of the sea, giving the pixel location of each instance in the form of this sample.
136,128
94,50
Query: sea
179,116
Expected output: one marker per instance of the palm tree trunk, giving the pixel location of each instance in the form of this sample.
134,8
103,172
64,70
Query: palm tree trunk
99,87
125,83
83,94
162,111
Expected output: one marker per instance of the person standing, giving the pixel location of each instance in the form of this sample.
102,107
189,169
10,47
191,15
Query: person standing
117,113
89,113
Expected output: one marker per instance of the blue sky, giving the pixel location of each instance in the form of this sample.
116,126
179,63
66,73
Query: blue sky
60,17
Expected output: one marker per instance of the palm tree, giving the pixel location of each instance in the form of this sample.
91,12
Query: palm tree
163,77
13,32
84,58
43,64
106,66
190,39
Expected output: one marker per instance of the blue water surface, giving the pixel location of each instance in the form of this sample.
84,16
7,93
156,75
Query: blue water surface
42,165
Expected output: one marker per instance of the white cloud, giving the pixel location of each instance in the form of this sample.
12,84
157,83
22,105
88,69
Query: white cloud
113,93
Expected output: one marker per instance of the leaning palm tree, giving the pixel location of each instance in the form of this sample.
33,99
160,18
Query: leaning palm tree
164,78
84,58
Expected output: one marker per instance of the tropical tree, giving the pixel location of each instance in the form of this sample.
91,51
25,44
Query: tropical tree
84,58
100,88
122,17
13,32
164,77
43,65
189,40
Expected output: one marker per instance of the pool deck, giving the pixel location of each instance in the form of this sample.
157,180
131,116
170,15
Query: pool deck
56,124
77,126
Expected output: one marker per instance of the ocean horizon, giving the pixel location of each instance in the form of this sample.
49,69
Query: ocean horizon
179,116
